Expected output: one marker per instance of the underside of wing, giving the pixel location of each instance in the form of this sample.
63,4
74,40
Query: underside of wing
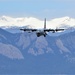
29,30
47,30
59,29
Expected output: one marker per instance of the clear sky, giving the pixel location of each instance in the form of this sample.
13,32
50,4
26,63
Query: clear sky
37,8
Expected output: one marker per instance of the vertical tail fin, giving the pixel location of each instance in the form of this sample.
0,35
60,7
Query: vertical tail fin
45,23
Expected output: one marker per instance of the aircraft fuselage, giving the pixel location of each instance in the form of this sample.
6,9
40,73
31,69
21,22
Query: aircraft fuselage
42,33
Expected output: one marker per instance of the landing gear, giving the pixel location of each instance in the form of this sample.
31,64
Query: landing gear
38,35
41,34
44,35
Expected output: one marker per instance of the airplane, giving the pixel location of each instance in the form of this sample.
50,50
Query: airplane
42,32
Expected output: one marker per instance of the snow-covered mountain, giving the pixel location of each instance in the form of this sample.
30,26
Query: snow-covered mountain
25,53
8,22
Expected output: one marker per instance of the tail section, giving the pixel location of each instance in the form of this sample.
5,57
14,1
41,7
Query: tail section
45,23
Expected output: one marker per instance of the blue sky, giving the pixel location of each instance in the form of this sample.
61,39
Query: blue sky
37,8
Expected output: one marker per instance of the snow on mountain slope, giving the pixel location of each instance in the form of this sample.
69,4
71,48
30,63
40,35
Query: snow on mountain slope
23,41
62,22
7,22
6,48
40,46
10,51
61,46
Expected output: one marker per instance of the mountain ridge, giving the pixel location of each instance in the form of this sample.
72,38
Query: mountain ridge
24,40
25,53
63,22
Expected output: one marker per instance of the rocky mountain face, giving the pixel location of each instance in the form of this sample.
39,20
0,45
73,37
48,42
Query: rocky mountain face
25,53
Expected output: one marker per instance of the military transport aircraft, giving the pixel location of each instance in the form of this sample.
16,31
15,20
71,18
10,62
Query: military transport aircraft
42,32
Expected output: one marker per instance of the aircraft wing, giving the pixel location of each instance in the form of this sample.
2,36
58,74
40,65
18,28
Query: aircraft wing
45,30
53,30
29,30
59,29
